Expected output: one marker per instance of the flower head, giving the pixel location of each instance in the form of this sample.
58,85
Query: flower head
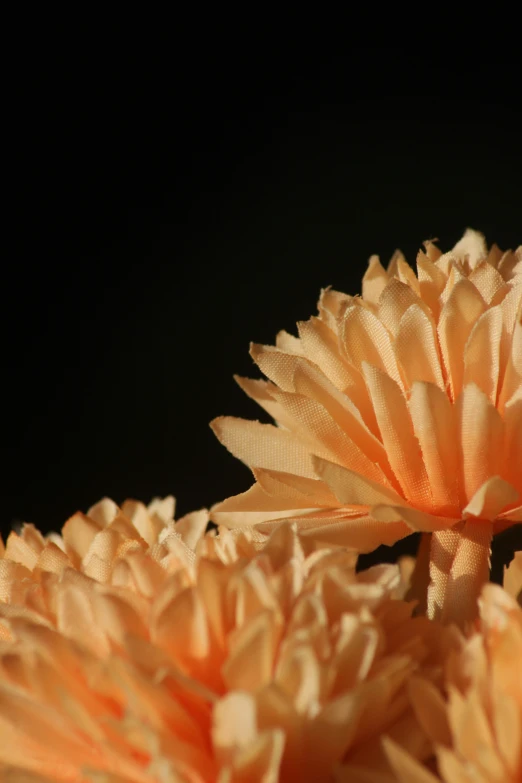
476,723
220,659
396,411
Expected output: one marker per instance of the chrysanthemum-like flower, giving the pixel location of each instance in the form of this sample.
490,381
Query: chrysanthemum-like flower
131,653
399,410
477,728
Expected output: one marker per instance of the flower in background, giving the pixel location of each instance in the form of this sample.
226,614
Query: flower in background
135,648
397,411
477,728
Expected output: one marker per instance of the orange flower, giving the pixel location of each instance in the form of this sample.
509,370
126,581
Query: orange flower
477,732
397,411
220,659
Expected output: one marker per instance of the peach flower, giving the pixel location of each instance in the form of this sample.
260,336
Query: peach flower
477,727
397,411
135,648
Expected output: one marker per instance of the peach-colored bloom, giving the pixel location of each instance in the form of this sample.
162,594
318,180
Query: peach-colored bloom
107,544
399,410
139,654
477,730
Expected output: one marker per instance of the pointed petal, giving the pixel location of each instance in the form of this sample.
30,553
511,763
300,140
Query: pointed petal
431,283
416,348
278,366
374,280
251,508
352,488
482,353
360,533
326,437
418,521
397,434
486,280
457,317
263,445
311,382
481,439
407,769
262,392
365,339
321,347
491,498
396,298
434,424
513,374
302,491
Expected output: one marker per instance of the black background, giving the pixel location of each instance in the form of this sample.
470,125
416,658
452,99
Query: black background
170,206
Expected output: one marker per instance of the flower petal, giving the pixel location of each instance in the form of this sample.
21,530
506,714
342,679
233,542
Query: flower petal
263,445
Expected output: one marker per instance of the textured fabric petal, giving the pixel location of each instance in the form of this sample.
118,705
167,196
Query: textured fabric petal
435,427
352,488
313,384
374,281
416,348
279,367
328,439
482,353
395,300
262,393
486,280
481,437
458,316
491,499
513,375
360,533
263,445
320,346
288,343
365,339
299,489
416,520
251,508
397,434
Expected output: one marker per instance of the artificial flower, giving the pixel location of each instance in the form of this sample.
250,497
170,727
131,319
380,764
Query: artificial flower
475,722
135,648
396,411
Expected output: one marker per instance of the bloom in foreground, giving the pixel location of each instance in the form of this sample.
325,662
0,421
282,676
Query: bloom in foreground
477,729
135,648
397,411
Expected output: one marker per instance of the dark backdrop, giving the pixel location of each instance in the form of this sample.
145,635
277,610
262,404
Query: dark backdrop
169,208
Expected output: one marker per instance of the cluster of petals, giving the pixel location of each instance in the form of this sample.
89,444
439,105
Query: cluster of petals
135,648
475,719
396,411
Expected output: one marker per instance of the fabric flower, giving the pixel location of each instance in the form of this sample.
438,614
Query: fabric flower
135,648
477,727
397,411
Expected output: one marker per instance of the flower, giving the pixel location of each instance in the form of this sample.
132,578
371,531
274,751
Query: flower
477,727
108,544
397,411
135,648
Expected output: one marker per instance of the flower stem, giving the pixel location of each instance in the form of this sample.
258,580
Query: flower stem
459,567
